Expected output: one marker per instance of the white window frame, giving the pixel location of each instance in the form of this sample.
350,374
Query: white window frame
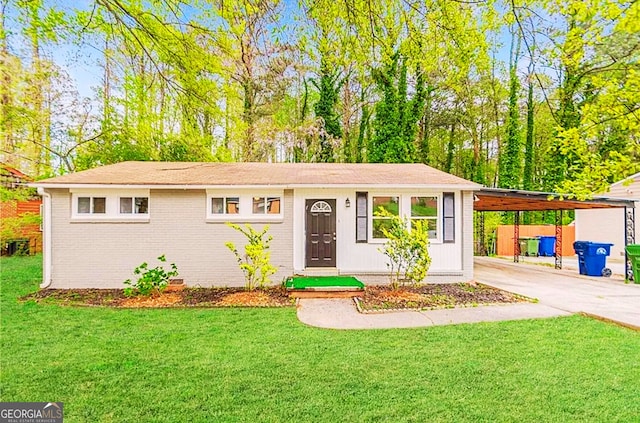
225,202
133,205
436,218
112,205
92,205
265,202
372,211
245,205
404,211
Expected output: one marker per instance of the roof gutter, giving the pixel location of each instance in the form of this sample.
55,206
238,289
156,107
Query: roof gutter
46,235
463,187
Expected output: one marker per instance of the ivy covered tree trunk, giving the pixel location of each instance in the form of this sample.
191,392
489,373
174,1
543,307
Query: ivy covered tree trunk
385,123
527,176
329,89
396,117
510,157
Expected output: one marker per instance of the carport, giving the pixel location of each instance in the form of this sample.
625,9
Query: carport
516,201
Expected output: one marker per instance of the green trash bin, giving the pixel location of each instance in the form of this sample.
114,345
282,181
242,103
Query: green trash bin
633,251
529,246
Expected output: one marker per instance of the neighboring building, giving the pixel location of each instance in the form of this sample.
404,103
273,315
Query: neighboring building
608,225
101,223
12,178
18,232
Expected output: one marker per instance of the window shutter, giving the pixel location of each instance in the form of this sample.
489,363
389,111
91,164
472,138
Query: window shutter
448,217
361,216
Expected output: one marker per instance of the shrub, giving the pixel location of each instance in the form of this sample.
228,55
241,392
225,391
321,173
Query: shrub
20,226
151,281
407,249
255,263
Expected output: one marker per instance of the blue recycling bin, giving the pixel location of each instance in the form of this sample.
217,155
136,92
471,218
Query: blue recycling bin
547,246
592,258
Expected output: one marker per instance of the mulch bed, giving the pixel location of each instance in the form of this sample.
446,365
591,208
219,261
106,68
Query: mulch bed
188,297
374,298
434,296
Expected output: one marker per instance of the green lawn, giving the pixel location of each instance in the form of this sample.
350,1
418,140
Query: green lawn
259,365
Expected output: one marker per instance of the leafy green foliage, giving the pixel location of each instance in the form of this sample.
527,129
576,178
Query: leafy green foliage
329,89
511,158
18,194
396,117
229,81
20,226
407,249
255,263
152,281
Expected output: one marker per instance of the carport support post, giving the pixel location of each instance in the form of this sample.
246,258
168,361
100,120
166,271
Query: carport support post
516,236
558,252
482,250
629,238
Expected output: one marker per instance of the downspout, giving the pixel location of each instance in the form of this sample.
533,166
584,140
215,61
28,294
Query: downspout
46,238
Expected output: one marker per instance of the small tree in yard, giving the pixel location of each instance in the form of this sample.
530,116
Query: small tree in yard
406,248
151,281
255,263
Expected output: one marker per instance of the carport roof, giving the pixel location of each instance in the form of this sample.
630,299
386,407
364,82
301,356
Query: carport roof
495,199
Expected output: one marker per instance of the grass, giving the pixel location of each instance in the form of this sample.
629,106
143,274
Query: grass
262,365
302,282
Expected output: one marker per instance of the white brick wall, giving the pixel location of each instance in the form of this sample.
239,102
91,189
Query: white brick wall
103,254
467,235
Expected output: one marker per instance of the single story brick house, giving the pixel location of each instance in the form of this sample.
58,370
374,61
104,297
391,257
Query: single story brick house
100,224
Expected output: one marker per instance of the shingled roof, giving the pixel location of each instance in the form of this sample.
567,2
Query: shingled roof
181,174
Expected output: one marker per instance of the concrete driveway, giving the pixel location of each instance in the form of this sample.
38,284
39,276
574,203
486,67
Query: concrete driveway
608,298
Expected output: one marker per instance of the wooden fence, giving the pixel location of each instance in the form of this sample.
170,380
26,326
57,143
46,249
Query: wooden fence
504,241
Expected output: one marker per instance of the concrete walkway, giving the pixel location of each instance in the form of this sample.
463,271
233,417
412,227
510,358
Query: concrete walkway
607,298
560,293
342,314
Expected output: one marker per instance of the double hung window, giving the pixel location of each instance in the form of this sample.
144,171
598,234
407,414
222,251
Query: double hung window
425,210
383,208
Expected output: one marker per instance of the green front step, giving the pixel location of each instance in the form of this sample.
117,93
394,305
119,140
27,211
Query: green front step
323,282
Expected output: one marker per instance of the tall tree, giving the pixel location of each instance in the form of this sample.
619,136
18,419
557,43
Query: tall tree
529,150
396,119
8,64
510,156
596,61
328,87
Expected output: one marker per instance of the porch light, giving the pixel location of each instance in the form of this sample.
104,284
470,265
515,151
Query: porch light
347,202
